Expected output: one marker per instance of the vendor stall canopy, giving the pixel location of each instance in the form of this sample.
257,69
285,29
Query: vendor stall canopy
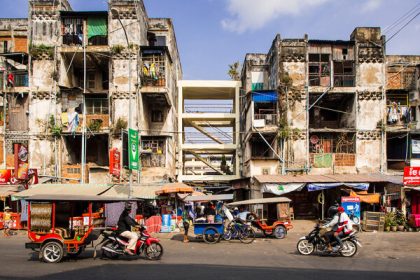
204,198
175,188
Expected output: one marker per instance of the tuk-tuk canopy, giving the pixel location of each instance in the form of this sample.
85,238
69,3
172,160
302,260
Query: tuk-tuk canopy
63,190
90,198
261,201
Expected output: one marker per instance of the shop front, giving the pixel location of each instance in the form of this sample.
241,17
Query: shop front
312,195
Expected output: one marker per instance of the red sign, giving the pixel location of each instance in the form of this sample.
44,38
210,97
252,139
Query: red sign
350,199
5,176
411,176
114,162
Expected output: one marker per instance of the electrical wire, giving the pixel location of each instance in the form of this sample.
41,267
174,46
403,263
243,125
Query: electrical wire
401,19
399,30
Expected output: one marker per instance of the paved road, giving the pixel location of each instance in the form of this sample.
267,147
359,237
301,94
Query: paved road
384,256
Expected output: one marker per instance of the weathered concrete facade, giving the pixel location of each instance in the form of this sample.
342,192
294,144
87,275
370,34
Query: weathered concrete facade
321,106
79,85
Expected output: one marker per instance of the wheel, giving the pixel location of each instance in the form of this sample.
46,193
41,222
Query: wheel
279,232
76,253
52,252
211,235
227,235
305,247
349,249
108,254
247,235
356,220
154,251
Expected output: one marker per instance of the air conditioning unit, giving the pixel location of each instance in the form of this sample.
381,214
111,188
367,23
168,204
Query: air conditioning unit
259,123
413,96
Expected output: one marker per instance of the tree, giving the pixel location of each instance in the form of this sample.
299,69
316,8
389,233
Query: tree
233,71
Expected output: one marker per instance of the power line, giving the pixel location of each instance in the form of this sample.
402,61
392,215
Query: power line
399,30
401,19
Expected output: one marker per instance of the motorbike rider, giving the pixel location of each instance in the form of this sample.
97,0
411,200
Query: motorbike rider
125,223
340,224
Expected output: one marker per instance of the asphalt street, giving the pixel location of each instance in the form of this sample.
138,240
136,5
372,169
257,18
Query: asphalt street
383,256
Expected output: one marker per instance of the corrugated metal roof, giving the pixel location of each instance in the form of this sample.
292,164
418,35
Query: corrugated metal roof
215,197
332,178
261,201
137,191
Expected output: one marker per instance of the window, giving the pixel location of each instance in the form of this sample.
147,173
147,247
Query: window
91,80
344,73
319,69
160,41
97,106
157,116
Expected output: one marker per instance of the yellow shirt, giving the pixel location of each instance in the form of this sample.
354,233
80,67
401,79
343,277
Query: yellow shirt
7,216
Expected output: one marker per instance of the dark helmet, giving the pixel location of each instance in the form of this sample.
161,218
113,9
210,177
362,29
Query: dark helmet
127,206
332,211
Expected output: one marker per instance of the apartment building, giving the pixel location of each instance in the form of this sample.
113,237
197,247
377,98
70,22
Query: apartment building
87,71
316,111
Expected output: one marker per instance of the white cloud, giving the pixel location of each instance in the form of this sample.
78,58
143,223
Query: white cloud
254,14
371,5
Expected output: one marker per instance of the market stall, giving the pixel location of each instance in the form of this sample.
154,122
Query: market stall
169,205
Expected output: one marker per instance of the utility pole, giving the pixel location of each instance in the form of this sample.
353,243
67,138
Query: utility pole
130,172
84,112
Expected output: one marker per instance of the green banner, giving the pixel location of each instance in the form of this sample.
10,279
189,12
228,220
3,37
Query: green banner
133,149
97,26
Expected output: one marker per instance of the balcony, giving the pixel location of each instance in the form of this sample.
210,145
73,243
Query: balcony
79,27
265,120
329,160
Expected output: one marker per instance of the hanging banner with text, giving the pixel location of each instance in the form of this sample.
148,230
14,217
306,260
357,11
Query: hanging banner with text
411,176
133,149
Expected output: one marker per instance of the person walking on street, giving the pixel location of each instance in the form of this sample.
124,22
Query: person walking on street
186,222
7,221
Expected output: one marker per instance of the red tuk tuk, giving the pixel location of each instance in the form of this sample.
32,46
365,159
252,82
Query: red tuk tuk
60,225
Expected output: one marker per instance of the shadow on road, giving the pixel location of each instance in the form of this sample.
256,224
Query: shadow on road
211,272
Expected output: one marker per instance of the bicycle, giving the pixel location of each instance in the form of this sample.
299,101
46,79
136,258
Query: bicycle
238,229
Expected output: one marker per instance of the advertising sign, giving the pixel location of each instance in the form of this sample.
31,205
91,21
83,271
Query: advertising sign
351,206
133,149
5,176
21,161
114,162
411,176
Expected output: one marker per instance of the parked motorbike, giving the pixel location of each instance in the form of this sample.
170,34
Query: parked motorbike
314,241
113,245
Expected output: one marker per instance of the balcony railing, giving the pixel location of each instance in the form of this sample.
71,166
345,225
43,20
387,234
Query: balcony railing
328,160
269,119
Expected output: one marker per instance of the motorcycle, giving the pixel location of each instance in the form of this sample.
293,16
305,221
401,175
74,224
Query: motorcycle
113,245
314,241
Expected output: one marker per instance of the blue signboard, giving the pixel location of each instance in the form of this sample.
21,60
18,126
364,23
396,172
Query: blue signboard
351,206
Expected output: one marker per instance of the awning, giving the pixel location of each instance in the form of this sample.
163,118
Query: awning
97,26
326,186
264,96
215,197
175,188
62,189
371,198
6,191
280,189
260,201
413,188
137,191
333,178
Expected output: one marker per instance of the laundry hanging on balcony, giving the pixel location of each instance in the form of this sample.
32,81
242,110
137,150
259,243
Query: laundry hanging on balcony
264,96
97,26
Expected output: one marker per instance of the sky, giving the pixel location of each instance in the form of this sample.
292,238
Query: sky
211,34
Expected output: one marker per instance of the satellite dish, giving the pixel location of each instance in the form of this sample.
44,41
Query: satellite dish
314,139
